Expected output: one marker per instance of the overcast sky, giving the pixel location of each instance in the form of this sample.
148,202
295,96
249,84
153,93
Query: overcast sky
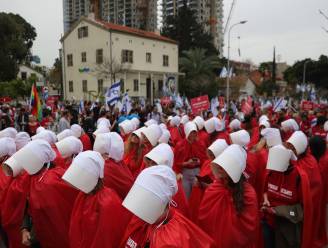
293,26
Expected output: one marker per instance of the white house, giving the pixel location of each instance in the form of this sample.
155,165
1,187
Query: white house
25,72
248,88
96,54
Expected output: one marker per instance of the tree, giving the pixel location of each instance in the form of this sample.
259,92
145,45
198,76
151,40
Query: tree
316,72
16,40
199,70
56,75
185,29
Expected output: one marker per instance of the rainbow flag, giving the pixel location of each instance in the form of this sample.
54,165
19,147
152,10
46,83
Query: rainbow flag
35,103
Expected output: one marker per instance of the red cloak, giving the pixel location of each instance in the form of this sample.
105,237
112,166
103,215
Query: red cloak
4,181
13,203
59,160
311,168
175,135
219,219
98,220
177,232
181,200
118,177
185,151
86,142
132,161
255,171
221,135
204,137
50,205
323,166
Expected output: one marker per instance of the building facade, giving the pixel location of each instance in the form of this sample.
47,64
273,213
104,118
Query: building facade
209,13
96,54
141,14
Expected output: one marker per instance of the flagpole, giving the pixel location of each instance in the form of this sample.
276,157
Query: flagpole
228,64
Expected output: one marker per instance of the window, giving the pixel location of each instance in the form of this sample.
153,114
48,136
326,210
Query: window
23,75
122,85
69,59
136,85
84,86
99,56
160,85
127,56
100,86
70,86
165,60
148,57
84,57
82,32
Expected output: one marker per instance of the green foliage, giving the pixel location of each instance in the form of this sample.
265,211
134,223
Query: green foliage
55,76
316,72
199,73
185,29
16,40
17,88
267,87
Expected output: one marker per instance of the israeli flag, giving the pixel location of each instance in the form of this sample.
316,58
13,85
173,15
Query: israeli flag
127,105
224,73
113,93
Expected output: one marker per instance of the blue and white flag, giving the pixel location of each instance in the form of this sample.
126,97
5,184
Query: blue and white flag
224,73
127,105
81,107
178,101
113,93
280,104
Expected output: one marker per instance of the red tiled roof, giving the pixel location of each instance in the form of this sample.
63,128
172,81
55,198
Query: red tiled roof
134,31
256,77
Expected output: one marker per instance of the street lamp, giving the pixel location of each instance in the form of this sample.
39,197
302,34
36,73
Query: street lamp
228,67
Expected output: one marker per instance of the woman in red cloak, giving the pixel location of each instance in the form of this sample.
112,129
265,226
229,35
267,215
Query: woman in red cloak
229,211
173,127
7,148
189,155
298,144
155,223
126,128
202,134
216,129
66,149
205,177
287,205
50,220
80,134
98,218
117,175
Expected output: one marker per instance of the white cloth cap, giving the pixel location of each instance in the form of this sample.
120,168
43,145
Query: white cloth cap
111,144
64,134
9,132
299,141
103,122
127,126
150,122
135,122
189,127
101,129
22,138
213,124
289,124
235,124
7,146
278,159
199,122
184,119
77,130
163,126
153,133
240,137
263,118
139,131
46,135
233,161
165,137
218,147
161,154
85,171
272,136
325,126
34,155
151,193
175,121
40,129
265,123
69,146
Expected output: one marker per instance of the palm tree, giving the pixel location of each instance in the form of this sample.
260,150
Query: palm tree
199,70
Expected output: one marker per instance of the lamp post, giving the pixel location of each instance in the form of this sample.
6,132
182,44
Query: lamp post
228,66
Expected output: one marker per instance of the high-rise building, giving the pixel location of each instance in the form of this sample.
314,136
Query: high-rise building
141,14
73,10
208,12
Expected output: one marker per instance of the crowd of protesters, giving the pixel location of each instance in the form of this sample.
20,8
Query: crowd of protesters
163,176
